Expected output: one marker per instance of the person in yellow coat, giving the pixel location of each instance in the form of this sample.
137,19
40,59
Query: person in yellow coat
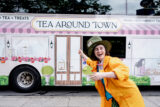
111,76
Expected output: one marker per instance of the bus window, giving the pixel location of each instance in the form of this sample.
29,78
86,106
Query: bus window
118,45
2,47
30,46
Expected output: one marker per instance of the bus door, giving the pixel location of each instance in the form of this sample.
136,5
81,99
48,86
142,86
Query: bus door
68,61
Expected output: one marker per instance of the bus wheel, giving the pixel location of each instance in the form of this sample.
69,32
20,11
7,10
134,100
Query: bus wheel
25,79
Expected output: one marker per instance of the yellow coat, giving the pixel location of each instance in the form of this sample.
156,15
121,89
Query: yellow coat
124,91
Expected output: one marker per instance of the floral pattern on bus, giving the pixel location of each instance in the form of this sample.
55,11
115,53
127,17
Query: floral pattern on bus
3,59
30,59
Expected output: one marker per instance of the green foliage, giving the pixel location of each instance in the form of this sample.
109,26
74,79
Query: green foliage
151,4
56,6
85,82
145,80
92,83
43,82
47,70
157,3
87,70
51,81
3,80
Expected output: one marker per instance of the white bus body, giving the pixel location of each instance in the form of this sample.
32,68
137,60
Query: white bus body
42,49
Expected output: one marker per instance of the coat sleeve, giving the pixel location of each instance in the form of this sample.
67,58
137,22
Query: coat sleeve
121,70
92,64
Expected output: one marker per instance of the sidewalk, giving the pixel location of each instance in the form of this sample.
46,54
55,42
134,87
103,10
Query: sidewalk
63,101
67,97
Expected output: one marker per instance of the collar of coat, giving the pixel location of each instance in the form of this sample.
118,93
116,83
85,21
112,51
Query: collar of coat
105,61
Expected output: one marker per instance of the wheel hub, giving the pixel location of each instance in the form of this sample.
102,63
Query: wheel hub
25,79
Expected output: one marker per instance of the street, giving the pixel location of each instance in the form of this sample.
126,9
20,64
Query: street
67,97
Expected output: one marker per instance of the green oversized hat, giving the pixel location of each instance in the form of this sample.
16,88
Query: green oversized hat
94,41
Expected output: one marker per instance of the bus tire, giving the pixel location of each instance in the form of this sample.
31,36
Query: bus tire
25,79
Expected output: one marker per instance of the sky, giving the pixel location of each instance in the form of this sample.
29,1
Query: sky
119,7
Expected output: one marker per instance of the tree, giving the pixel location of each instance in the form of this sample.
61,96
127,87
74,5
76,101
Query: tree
147,4
150,7
157,3
7,6
55,6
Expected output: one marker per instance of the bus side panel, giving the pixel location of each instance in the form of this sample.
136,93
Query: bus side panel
146,61
37,51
